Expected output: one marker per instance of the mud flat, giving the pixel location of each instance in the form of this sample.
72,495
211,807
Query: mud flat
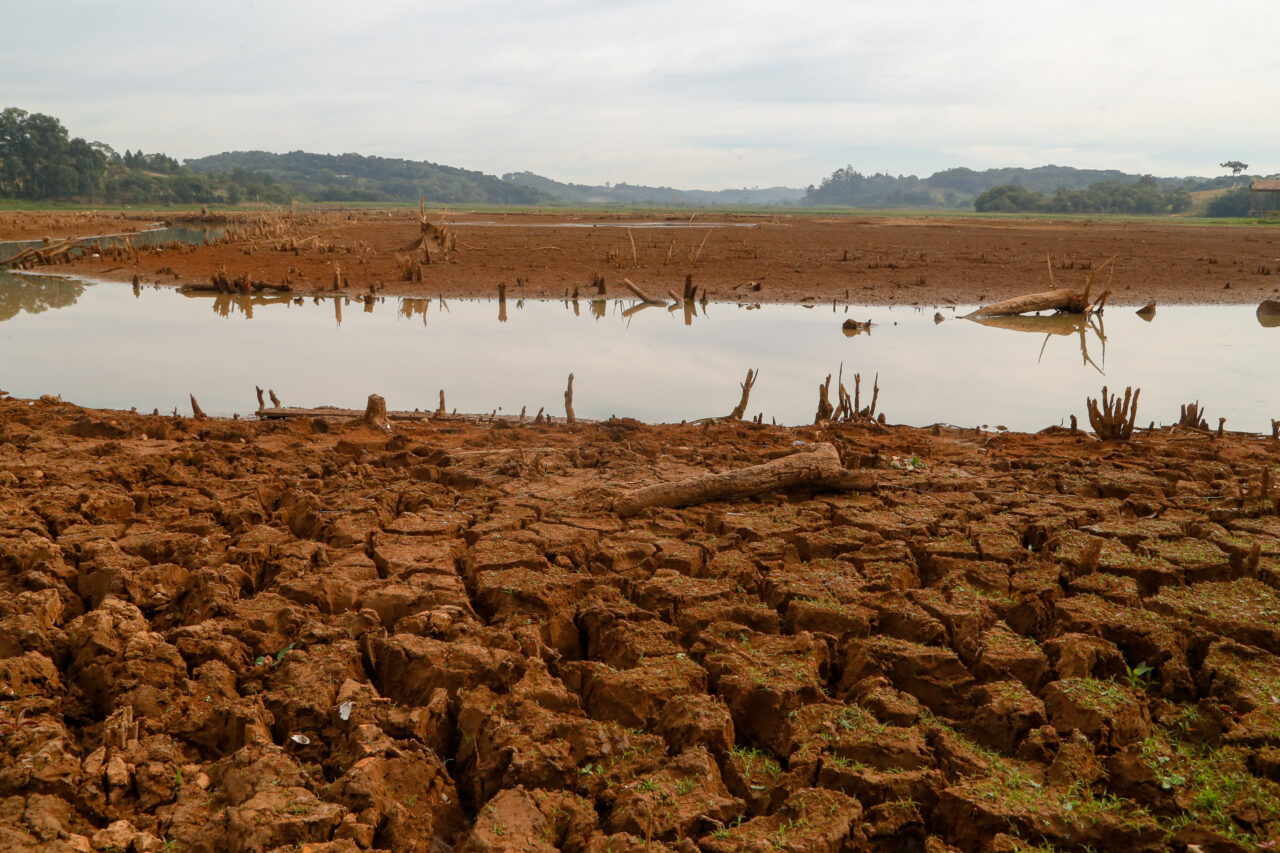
312,633
859,260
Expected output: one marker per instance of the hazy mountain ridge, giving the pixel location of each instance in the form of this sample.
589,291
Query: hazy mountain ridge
355,177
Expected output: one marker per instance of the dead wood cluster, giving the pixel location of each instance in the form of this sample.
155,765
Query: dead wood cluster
1114,419
1191,415
50,254
847,409
222,282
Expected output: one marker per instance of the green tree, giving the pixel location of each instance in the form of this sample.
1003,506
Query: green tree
1008,198
1235,166
1234,203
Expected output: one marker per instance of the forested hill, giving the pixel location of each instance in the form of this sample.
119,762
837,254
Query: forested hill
353,177
636,194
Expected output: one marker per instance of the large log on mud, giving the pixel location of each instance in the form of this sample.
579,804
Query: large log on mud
1064,299
819,468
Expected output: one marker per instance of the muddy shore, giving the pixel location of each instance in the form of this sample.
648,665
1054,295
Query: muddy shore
854,260
243,635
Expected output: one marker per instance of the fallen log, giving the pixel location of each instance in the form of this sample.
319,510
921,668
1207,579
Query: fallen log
1063,299
819,468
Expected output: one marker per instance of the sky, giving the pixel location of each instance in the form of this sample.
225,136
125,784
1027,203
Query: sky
694,94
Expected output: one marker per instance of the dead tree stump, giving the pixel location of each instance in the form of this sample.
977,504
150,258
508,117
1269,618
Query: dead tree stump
825,409
196,411
375,414
568,402
1191,415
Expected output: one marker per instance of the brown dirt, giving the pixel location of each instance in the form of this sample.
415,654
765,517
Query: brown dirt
234,636
858,260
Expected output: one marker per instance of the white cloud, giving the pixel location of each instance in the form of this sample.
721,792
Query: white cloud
701,95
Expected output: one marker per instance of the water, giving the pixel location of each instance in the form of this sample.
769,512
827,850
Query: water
103,345
149,237
680,223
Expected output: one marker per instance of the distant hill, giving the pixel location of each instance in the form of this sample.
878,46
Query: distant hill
960,186
633,194
353,177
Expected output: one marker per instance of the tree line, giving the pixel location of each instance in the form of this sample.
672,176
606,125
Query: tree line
1144,196
40,161
1058,189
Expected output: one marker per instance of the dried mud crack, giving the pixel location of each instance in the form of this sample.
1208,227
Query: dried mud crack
235,636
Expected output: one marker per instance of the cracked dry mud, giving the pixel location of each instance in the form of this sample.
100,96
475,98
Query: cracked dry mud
236,636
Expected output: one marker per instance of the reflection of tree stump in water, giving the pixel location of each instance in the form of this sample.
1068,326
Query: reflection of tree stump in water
18,294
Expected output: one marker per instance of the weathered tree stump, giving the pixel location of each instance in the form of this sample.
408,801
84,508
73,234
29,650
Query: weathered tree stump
375,414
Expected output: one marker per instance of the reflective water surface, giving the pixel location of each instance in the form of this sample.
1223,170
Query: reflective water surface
149,237
105,345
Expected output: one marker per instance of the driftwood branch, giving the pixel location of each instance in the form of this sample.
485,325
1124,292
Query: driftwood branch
819,468
640,294
741,409
196,411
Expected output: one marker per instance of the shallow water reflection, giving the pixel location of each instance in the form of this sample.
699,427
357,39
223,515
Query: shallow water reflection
35,294
149,237
110,349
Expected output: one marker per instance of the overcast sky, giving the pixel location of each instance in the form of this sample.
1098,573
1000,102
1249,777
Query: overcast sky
691,94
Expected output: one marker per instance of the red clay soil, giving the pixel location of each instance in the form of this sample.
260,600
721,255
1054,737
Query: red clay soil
858,260
318,635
